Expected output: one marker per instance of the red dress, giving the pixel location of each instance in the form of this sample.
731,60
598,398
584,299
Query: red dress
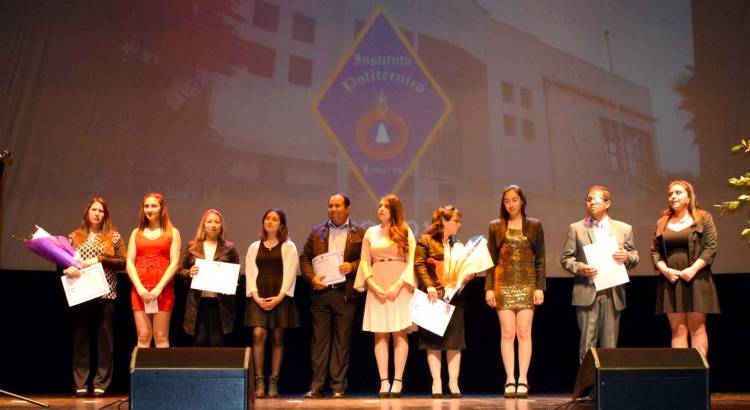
151,261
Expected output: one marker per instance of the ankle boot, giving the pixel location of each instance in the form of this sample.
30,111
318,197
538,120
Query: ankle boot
260,386
273,386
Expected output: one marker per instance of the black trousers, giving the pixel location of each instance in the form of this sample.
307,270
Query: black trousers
92,319
208,330
332,322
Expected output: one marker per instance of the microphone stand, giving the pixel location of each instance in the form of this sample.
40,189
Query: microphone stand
5,156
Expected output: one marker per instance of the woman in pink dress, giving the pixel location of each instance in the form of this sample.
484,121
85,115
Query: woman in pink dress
153,258
387,269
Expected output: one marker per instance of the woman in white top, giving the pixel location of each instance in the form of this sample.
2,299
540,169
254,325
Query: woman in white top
271,271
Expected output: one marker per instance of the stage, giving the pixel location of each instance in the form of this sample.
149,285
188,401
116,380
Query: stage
719,401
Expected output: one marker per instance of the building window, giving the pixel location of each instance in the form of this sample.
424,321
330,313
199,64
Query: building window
262,59
300,71
506,89
527,126
303,28
266,16
638,152
509,125
526,98
610,143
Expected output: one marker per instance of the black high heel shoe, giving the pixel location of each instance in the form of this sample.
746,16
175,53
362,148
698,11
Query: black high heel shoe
384,394
396,395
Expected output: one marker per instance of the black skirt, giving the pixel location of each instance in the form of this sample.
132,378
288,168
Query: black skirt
285,315
452,339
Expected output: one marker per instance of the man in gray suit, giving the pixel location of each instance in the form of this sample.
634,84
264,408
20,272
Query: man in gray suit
598,313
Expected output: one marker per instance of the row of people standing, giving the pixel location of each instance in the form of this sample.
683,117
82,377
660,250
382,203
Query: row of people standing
383,262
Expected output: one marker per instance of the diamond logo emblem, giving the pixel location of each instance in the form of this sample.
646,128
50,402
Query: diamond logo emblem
381,106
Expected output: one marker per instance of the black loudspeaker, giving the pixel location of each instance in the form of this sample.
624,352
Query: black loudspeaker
191,378
644,378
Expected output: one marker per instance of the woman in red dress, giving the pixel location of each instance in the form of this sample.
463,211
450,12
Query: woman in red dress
153,258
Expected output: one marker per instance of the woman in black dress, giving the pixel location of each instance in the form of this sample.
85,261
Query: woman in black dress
432,262
271,272
683,250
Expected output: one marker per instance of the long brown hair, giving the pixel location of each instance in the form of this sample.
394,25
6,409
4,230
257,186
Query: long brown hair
200,234
108,229
693,209
439,216
164,222
398,232
283,234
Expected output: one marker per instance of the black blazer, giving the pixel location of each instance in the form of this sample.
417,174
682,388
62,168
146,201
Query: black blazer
225,252
532,229
317,244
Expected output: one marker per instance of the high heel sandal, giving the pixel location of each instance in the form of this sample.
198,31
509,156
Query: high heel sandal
384,394
396,394
522,394
510,390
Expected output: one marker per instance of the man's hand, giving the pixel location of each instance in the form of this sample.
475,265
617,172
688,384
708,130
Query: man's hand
588,270
621,256
317,282
345,268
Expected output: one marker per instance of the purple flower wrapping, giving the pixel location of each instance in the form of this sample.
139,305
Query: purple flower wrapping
55,249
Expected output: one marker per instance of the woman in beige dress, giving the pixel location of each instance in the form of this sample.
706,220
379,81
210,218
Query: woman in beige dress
387,270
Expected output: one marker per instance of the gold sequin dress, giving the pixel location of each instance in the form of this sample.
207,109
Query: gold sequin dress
515,276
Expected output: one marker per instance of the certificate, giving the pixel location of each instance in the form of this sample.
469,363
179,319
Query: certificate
430,316
609,272
214,276
90,285
151,306
327,265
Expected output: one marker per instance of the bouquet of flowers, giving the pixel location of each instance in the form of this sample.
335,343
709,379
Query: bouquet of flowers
467,260
56,249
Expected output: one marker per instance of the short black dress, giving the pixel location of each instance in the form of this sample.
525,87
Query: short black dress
697,295
269,280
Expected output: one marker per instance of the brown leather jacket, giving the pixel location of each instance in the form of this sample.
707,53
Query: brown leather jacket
317,243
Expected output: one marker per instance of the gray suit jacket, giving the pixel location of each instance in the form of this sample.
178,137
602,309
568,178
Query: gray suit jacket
581,234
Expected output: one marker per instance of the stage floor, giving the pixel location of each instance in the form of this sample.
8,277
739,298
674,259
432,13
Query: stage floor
719,401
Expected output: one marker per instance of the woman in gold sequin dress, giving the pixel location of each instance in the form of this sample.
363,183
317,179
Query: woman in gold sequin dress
516,284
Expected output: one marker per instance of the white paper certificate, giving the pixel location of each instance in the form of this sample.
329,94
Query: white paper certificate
327,264
90,285
431,316
609,272
214,276
151,306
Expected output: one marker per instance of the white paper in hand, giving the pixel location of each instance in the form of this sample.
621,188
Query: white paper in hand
609,272
90,285
430,316
214,276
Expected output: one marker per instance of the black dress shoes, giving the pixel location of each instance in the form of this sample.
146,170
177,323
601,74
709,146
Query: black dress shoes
314,394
